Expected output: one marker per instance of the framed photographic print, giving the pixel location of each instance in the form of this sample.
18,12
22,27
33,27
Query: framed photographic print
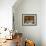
29,19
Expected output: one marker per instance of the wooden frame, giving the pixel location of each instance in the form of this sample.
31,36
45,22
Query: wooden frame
29,19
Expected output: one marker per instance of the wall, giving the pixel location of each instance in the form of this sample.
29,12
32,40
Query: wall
6,13
43,22
28,7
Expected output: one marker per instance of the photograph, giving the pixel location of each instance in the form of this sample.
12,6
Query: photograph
29,19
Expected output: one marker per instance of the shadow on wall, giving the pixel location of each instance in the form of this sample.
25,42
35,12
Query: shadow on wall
17,3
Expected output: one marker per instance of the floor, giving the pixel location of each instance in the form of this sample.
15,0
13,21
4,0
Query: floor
9,43
16,41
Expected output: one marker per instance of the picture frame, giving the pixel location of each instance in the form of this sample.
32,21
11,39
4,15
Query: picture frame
29,19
